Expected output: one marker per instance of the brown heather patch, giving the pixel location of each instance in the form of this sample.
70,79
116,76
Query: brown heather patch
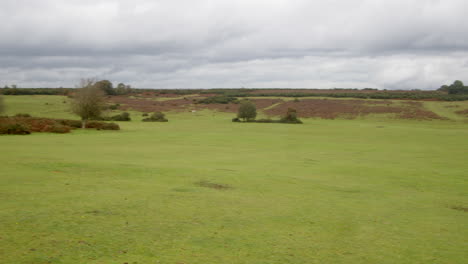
331,109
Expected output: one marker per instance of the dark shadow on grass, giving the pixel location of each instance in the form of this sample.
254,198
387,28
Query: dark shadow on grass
460,208
213,185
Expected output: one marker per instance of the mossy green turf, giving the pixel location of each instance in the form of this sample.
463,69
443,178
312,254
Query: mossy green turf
327,191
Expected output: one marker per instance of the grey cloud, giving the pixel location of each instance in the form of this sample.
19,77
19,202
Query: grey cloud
216,43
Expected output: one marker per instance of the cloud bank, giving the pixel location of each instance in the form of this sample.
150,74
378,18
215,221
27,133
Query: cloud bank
399,44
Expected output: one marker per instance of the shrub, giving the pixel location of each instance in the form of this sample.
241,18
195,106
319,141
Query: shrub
102,125
110,126
291,117
235,119
156,117
122,117
144,114
14,129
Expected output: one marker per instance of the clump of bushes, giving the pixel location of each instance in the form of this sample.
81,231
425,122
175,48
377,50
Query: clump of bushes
289,118
156,117
122,117
14,129
26,125
102,125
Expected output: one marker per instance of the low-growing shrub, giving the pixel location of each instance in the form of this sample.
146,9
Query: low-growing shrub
110,126
144,114
102,125
156,117
122,117
236,119
14,129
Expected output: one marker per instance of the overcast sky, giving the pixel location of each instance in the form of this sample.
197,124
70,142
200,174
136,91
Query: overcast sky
386,44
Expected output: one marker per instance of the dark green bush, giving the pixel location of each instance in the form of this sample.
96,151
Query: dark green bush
110,126
156,117
122,117
236,119
14,129
102,125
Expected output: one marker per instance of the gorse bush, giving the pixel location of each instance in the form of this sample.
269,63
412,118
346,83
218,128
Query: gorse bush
156,117
26,125
14,129
102,125
122,117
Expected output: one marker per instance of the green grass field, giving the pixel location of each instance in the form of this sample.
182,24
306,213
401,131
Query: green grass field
327,191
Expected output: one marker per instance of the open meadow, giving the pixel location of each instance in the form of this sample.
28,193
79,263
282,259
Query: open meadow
202,189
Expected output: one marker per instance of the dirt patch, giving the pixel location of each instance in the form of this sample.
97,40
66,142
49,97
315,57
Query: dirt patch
213,185
350,109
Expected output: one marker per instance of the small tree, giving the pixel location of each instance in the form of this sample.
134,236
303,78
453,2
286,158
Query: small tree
88,101
247,110
106,86
291,117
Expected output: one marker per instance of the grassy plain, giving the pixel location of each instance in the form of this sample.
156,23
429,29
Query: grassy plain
327,191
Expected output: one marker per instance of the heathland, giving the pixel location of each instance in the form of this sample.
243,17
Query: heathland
361,181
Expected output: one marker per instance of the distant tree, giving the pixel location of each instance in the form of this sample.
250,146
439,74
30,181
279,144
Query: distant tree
247,110
88,101
123,89
443,88
106,86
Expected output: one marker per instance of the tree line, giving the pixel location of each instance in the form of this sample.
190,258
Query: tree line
454,92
